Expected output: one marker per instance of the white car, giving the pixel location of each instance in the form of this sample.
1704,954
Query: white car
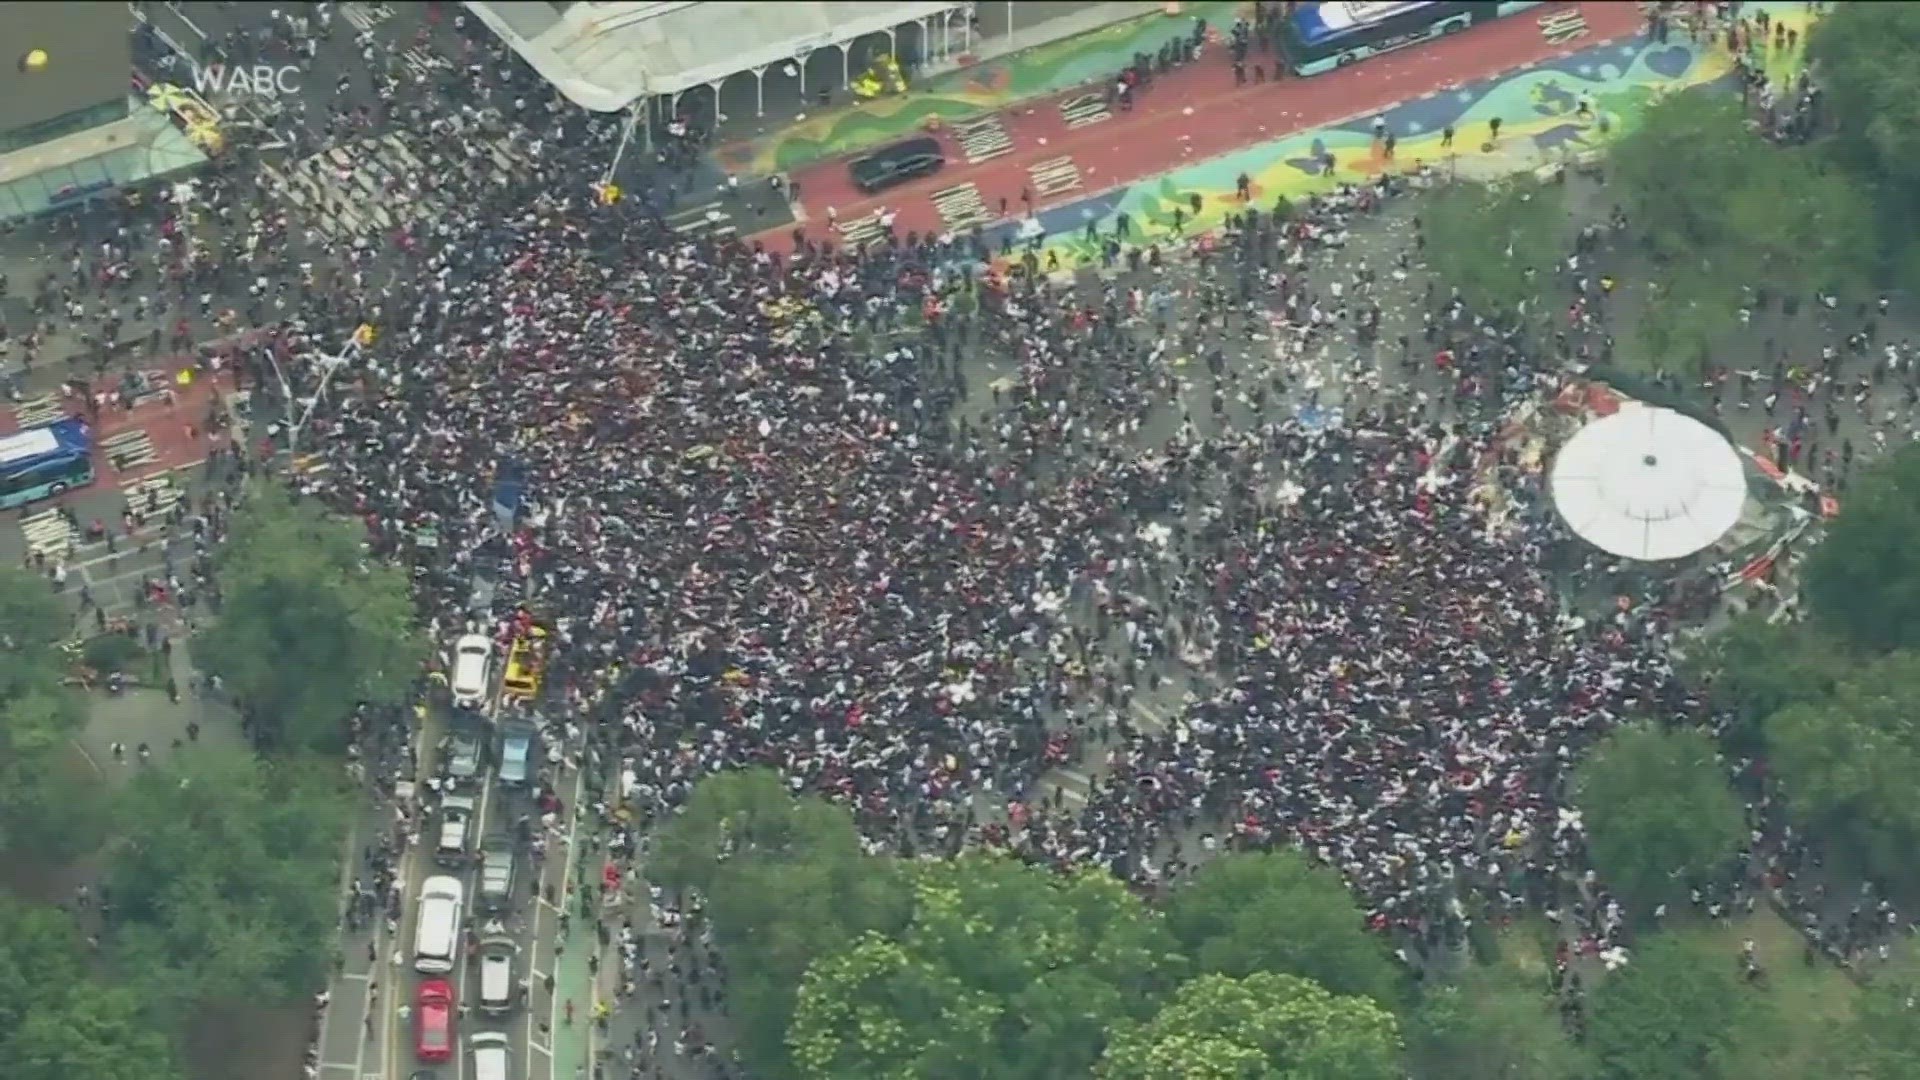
472,670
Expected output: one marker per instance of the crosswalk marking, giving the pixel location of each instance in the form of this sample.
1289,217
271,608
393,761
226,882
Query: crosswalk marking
423,63
35,411
152,496
364,17
376,184
1083,109
311,465
1054,176
710,220
961,207
129,449
983,139
862,231
48,532
1561,27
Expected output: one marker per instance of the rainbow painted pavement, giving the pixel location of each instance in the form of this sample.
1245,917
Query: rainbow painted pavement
1540,124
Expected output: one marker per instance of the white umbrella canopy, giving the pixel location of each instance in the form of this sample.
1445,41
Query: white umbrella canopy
1649,484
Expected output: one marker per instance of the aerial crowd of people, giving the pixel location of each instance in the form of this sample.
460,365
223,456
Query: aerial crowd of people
1086,569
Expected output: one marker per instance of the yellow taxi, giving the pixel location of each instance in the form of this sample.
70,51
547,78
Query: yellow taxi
525,659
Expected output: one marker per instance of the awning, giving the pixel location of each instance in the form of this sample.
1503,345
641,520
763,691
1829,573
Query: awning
606,56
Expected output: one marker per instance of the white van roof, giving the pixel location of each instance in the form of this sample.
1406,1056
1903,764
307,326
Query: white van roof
442,887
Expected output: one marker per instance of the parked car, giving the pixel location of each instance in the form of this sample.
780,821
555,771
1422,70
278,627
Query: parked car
472,670
456,831
463,754
497,873
492,1055
499,985
897,164
517,739
433,1021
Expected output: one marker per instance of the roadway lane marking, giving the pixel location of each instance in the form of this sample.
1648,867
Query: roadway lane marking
537,1048
36,411
983,139
1053,177
48,533
355,976
1085,109
961,207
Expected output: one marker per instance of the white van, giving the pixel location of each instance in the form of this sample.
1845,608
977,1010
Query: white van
489,1051
436,932
472,670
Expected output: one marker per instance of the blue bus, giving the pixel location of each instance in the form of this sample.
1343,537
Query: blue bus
1321,37
44,461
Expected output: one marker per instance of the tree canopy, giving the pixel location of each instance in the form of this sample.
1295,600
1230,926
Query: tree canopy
1849,764
1704,192
224,883
1679,1009
1756,668
1657,803
1863,581
55,1023
309,626
1265,1025
41,809
97,1032
1484,1029
1006,971
1869,61
1277,911
1497,243
786,882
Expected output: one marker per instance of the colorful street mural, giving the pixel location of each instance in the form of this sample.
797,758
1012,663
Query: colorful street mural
967,92
1540,124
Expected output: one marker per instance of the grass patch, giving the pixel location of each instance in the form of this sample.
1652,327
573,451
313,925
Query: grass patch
1809,1000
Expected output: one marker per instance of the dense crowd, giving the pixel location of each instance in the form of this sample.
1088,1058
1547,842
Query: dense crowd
783,514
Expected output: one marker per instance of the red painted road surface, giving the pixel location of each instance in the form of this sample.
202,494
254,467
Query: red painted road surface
1191,115
176,429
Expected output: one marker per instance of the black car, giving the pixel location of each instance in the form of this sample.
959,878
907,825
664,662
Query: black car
897,164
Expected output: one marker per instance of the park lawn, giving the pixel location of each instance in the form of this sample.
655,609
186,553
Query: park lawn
1808,1001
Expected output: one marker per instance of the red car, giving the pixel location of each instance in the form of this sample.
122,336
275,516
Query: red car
433,1021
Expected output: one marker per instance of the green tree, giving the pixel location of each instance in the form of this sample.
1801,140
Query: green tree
1007,971
1868,56
1679,1009
786,882
42,809
1658,802
1704,192
1863,580
224,886
39,959
1265,1025
309,626
92,1032
1500,243
1277,911
877,1012
1849,765
1484,1029
1756,668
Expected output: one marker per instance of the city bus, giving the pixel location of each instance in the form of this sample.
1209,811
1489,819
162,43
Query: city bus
44,461
1321,37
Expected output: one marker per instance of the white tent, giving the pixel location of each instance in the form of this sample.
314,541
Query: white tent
1649,484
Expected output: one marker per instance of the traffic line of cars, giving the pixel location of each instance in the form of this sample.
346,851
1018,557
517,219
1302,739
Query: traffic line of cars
464,905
